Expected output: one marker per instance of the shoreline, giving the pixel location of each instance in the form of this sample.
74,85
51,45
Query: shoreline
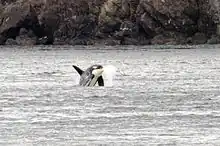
108,47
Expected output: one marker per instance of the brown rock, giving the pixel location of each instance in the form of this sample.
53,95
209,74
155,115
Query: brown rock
64,21
26,37
17,15
199,38
150,26
167,15
91,21
129,41
5,2
215,39
11,41
214,10
206,22
109,17
107,41
171,38
218,29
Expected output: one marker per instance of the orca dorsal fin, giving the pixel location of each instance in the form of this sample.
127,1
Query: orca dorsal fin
80,71
100,81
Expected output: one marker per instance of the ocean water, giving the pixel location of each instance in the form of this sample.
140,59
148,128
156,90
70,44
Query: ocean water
154,95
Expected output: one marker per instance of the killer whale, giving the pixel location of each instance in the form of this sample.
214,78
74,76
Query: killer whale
91,75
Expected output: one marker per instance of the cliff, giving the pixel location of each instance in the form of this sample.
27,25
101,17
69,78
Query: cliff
109,22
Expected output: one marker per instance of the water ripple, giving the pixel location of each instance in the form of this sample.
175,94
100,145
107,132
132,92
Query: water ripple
159,95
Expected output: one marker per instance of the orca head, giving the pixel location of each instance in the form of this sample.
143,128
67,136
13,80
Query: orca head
97,70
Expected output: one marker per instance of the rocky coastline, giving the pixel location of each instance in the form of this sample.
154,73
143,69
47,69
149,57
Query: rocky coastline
109,22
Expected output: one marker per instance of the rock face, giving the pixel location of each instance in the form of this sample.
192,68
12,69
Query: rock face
110,22
16,16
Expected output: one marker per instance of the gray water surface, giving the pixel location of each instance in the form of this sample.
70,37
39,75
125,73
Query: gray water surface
158,96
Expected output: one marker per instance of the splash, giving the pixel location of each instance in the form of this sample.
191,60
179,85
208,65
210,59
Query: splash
109,74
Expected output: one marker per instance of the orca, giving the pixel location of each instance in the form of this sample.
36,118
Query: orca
91,75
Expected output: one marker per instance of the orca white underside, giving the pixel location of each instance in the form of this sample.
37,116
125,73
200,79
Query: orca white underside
92,82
